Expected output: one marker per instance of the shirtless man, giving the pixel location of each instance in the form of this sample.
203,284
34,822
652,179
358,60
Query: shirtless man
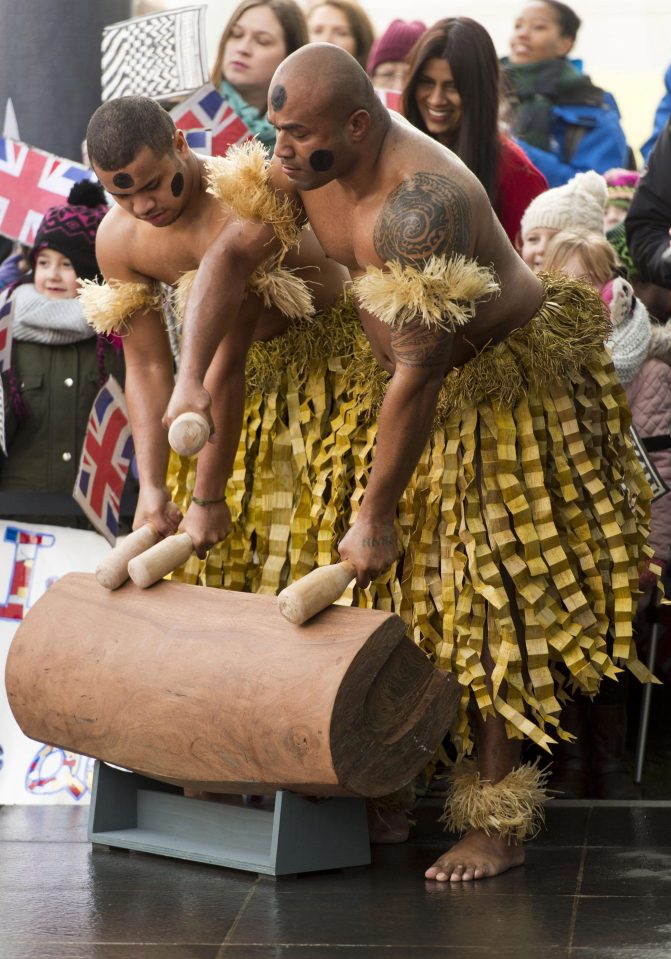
376,193
160,228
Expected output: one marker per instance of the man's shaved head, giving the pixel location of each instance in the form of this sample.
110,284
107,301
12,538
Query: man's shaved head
327,79
326,113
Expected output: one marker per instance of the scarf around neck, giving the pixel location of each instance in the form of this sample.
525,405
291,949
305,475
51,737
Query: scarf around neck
51,322
533,90
257,124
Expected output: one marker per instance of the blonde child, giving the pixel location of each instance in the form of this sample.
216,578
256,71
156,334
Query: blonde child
578,206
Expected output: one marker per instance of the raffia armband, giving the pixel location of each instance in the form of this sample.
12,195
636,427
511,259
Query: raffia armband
512,808
443,293
276,287
108,306
239,181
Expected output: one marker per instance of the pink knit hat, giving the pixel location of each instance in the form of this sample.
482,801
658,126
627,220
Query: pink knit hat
395,43
621,186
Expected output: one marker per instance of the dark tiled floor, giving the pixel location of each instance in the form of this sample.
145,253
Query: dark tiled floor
596,885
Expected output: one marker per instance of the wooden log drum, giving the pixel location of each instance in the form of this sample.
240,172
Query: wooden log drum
214,690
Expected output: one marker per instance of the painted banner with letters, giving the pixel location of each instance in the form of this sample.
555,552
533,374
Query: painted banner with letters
32,557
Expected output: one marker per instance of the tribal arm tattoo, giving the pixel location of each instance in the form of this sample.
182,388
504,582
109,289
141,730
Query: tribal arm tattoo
417,345
426,214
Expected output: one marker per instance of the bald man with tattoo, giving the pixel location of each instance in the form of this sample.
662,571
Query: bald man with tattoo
501,471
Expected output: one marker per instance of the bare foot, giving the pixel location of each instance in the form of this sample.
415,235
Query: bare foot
476,856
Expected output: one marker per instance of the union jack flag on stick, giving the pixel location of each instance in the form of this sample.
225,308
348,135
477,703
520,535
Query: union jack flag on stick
210,125
31,181
105,459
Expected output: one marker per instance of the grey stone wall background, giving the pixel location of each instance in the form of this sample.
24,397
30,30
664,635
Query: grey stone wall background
50,67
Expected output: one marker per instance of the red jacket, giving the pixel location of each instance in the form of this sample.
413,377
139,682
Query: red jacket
519,182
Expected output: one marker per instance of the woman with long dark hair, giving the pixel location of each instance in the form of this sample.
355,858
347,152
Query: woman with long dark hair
453,95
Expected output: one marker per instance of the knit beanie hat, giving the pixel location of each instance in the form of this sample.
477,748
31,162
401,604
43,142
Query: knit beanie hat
578,206
632,330
395,43
71,229
621,185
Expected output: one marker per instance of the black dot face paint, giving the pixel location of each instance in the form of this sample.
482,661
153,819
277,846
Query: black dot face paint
177,184
123,180
278,97
321,160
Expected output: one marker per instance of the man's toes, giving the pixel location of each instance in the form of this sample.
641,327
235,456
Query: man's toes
440,871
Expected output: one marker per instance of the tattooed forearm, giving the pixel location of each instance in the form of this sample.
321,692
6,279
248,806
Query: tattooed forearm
426,214
416,345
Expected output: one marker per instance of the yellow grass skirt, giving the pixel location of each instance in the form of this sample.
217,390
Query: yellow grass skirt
523,526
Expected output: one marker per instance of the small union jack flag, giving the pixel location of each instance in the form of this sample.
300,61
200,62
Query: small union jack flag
105,459
31,181
206,110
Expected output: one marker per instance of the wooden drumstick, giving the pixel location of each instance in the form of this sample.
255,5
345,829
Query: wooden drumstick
112,572
188,433
310,595
151,566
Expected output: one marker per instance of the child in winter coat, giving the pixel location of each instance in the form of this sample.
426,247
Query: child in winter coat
57,362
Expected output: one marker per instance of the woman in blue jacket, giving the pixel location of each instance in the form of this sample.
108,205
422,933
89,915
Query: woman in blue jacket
564,123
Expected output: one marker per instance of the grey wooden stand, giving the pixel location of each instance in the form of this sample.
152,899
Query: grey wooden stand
132,812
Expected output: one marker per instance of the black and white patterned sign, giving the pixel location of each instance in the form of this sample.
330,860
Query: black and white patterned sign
160,55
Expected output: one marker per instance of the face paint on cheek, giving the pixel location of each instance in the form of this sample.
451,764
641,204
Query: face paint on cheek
278,97
123,180
177,184
321,160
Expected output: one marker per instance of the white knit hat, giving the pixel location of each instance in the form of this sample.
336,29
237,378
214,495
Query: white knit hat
578,206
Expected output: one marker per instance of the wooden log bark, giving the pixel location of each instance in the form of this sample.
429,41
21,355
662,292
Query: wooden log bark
214,690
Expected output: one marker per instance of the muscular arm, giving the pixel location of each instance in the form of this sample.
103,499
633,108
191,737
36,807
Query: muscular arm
427,215
214,304
149,381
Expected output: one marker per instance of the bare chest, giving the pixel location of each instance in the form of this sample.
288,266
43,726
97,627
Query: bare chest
168,252
345,231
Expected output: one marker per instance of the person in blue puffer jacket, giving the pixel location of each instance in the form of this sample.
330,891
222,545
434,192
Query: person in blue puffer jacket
563,122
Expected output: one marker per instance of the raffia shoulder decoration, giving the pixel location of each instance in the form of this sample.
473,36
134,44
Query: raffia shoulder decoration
108,306
443,293
283,289
239,181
